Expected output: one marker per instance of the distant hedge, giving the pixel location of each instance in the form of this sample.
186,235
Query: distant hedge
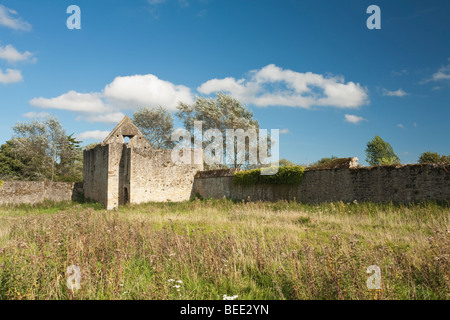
285,175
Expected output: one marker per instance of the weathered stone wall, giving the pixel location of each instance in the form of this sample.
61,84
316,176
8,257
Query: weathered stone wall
409,183
115,159
118,173
95,173
32,192
158,179
155,177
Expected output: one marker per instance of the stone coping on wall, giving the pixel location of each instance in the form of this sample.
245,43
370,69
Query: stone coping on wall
216,173
230,172
339,163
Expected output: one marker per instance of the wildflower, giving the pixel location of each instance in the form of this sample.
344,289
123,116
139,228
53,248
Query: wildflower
171,280
179,281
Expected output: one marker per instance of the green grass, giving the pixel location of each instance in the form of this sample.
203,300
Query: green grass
281,250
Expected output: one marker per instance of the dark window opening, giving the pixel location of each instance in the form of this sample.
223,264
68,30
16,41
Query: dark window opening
125,196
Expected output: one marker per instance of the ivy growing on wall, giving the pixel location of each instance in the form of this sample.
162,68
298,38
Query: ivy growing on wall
286,175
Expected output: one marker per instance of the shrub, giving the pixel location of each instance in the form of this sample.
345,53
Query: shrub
323,161
285,175
433,157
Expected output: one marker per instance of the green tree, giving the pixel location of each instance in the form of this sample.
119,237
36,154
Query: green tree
156,125
10,165
70,167
30,143
380,152
433,157
221,113
47,151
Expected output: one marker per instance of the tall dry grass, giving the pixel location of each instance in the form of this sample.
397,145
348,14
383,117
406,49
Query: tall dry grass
205,249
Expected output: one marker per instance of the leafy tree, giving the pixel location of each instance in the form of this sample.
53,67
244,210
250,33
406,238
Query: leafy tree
46,151
433,157
58,145
379,152
156,125
30,143
70,167
10,165
221,113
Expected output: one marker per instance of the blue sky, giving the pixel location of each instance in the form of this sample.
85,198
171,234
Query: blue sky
309,68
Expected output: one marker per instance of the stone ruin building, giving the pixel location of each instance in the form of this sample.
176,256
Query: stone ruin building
125,168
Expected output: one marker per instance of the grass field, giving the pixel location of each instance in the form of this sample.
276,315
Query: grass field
210,248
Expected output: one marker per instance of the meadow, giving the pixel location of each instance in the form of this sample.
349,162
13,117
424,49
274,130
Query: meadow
205,249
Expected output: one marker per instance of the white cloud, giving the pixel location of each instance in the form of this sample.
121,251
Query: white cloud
443,73
202,13
129,92
94,135
155,2
400,125
183,3
10,54
273,86
400,73
36,115
10,76
396,93
284,131
113,117
146,91
9,18
353,119
73,101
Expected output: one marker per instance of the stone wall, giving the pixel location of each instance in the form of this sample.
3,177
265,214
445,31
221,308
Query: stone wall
32,192
155,177
158,179
125,168
95,173
118,173
404,184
